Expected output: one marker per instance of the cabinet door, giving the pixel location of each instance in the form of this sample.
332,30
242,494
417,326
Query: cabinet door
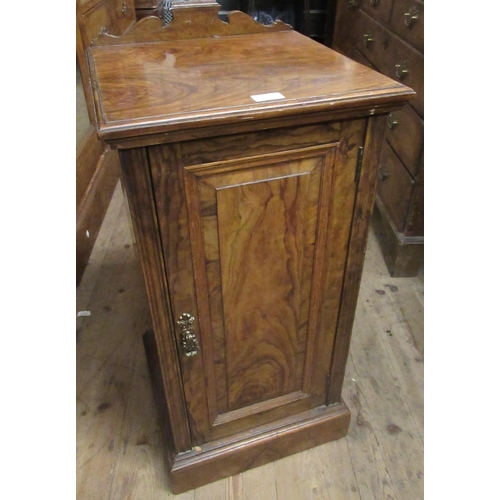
255,251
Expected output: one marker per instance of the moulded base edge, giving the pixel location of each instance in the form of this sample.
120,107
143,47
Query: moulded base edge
219,459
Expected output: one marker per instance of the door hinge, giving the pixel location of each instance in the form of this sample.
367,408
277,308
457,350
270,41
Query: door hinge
359,163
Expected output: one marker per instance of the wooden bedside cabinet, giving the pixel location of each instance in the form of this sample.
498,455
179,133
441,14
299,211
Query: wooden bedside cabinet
388,35
249,157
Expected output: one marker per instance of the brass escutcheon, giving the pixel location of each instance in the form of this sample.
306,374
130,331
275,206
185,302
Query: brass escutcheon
189,342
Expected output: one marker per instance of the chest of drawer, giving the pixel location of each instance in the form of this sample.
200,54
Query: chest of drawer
395,186
388,36
407,21
390,55
405,133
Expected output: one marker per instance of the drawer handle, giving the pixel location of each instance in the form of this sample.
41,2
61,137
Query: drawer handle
383,173
411,16
368,39
353,4
124,9
392,121
401,70
374,3
189,342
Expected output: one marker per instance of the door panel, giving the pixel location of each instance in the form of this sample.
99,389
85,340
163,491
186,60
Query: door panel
262,242
258,230
261,263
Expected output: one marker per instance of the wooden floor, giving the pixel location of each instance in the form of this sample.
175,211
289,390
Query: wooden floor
119,447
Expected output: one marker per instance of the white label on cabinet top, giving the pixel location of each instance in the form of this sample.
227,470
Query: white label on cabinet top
271,96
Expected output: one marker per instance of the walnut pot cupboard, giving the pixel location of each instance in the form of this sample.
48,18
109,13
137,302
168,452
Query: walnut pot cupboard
250,219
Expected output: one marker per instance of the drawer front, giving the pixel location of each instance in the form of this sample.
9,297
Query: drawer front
391,56
378,9
405,133
406,65
395,187
371,39
407,20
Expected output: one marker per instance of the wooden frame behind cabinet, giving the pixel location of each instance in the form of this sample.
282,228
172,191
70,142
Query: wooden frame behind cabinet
97,166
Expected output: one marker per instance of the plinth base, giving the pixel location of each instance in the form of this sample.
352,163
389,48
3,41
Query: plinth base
237,453
219,459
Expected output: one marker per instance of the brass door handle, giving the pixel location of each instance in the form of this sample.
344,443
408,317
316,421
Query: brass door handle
383,173
189,342
411,16
368,38
401,70
392,121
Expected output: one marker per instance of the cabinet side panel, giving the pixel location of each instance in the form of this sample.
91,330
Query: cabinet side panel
137,183
363,207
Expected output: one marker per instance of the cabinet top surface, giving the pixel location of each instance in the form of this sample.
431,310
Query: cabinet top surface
166,85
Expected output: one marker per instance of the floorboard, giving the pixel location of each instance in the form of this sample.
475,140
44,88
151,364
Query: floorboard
119,445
